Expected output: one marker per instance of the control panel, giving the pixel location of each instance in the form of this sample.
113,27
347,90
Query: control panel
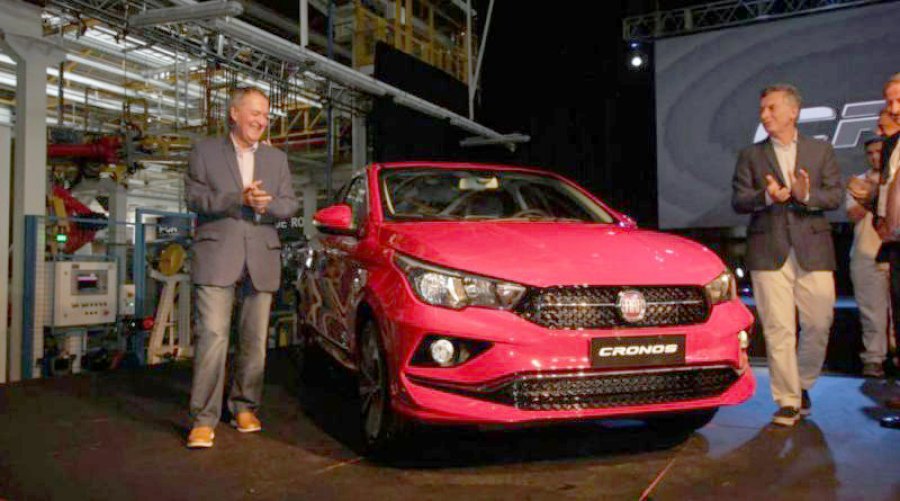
84,293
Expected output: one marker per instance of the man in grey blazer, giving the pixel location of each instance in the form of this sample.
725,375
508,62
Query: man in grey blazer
786,183
238,187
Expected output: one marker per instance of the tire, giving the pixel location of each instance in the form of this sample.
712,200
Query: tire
682,422
381,427
303,353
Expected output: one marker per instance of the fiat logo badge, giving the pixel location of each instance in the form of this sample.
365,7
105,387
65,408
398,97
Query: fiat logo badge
632,305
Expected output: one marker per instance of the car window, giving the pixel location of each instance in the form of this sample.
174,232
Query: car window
356,197
465,194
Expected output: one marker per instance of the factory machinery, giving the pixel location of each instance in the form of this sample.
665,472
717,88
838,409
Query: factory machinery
107,304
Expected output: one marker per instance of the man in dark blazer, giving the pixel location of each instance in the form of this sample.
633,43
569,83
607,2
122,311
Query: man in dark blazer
785,183
238,187
891,162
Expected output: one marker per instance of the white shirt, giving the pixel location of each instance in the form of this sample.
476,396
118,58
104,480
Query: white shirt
787,158
786,155
245,160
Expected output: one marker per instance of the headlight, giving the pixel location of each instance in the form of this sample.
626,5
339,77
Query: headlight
455,289
722,289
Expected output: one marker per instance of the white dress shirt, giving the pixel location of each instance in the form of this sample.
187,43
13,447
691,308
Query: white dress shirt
786,155
245,160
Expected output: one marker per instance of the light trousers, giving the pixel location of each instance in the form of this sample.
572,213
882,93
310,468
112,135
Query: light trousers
212,328
779,295
871,287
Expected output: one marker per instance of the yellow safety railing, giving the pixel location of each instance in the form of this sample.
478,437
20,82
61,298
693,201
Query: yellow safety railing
370,28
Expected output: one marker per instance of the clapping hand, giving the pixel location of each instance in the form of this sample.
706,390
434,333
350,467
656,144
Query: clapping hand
800,185
863,190
256,197
776,192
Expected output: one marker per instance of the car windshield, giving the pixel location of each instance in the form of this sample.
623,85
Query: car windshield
445,194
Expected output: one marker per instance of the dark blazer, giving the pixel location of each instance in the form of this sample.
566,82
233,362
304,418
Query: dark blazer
228,237
775,228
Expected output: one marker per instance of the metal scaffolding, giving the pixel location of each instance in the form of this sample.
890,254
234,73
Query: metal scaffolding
723,14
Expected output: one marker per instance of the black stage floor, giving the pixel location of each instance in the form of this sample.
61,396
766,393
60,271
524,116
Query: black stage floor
120,435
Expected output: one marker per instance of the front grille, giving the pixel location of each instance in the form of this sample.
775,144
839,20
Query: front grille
595,307
594,391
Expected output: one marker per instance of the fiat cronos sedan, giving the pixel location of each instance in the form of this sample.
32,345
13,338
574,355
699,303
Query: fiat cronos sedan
493,295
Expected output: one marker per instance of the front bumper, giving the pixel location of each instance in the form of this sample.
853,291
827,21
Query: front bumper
421,401
534,374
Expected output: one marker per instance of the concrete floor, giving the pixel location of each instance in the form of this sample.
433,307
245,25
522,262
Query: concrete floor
120,435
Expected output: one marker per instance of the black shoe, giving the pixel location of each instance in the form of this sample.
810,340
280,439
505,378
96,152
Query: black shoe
806,405
890,421
873,369
786,416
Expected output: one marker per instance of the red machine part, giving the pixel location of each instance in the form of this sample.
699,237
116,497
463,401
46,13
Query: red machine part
78,234
103,150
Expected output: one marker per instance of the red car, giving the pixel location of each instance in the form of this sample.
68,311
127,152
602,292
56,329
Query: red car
485,294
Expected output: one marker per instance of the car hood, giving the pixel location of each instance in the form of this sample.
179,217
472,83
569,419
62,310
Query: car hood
546,254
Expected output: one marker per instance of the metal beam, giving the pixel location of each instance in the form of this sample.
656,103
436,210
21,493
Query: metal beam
510,140
469,78
288,51
33,56
270,17
197,12
5,209
304,23
722,14
484,37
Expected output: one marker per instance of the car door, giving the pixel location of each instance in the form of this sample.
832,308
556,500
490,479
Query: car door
342,274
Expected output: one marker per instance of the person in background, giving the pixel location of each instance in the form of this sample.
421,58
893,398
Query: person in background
870,278
786,183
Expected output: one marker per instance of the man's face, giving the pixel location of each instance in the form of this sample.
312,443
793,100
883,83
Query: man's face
892,102
873,155
886,124
777,113
251,117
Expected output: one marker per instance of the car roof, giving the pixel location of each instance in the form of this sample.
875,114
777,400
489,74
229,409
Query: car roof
462,165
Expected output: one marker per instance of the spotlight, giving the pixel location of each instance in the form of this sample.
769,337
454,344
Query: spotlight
636,55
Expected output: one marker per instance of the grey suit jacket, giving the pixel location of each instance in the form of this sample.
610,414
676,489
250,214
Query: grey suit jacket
774,229
226,241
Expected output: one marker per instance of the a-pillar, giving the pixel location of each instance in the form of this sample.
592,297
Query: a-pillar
33,55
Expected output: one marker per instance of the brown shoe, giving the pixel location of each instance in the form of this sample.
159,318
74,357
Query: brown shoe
246,422
892,403
201,437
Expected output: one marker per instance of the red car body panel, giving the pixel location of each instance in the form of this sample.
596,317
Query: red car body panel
358,275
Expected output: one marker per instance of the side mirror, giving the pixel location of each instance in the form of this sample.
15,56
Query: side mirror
335,219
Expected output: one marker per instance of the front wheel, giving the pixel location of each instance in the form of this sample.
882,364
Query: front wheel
381,426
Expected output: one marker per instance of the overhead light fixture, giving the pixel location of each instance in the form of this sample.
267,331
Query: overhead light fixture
187,13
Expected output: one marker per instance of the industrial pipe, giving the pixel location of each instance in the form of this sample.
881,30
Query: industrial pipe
105,149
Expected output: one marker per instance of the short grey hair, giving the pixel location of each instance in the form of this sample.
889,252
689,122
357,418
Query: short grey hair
790,92
237,95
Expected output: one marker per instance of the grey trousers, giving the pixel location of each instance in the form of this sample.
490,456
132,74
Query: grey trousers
212,328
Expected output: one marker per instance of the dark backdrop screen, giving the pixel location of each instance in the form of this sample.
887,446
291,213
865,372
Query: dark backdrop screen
707,100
